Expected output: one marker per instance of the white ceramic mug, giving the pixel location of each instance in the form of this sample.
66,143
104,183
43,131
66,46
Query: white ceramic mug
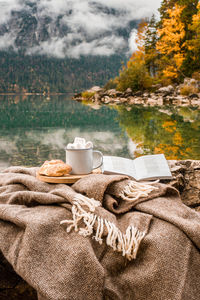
83,161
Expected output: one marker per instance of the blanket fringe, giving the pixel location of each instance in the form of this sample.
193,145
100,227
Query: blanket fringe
126,243
135,190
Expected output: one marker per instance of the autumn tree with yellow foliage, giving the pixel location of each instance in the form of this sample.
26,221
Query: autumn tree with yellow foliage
175,33
194,43
171,43
135,75
167,50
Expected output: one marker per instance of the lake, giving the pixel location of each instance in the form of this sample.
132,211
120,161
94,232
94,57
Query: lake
37,128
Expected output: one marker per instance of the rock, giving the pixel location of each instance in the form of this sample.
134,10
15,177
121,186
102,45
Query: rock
166,90
113,93
106,100
186,179
131,100
153,96
160,101
138,93
146,95
118,100
123,100
78,99
97,98
151,102
128,92
191,82
192,96
95,89
156,86
168,99
195,103
138,100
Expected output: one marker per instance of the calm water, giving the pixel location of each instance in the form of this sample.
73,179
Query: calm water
36,128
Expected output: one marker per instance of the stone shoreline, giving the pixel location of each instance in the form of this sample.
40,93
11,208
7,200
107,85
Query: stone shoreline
169,95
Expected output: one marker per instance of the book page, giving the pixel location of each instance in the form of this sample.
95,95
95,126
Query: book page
152,166
118,165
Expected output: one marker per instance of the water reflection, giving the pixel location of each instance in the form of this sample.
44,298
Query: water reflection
36,128
173,131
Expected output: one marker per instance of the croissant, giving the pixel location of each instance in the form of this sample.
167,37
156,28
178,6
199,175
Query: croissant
55,168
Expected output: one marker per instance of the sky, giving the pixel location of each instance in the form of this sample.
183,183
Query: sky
92,27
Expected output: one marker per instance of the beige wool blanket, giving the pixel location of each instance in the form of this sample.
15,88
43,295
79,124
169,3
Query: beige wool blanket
105,237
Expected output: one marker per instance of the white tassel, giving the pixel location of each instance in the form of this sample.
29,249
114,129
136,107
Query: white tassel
89,202
99,231
120,245
114,237
89,221
79,214
135,190
127,243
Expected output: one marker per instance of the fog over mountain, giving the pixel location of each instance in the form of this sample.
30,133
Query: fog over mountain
70,28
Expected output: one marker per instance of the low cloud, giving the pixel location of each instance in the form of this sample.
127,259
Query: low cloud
60,47
6,41
6,8
73,27
132,41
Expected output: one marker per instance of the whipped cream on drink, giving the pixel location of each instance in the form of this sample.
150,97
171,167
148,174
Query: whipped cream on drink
80,143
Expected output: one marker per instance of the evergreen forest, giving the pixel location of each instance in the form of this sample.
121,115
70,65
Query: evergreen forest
20,73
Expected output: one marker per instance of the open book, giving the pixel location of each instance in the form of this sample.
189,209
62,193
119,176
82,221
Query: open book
147,167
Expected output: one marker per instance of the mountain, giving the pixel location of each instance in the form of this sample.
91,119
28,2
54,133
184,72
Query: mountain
42,50
31,28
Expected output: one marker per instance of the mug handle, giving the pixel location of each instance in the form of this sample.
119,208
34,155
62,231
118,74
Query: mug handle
100,155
